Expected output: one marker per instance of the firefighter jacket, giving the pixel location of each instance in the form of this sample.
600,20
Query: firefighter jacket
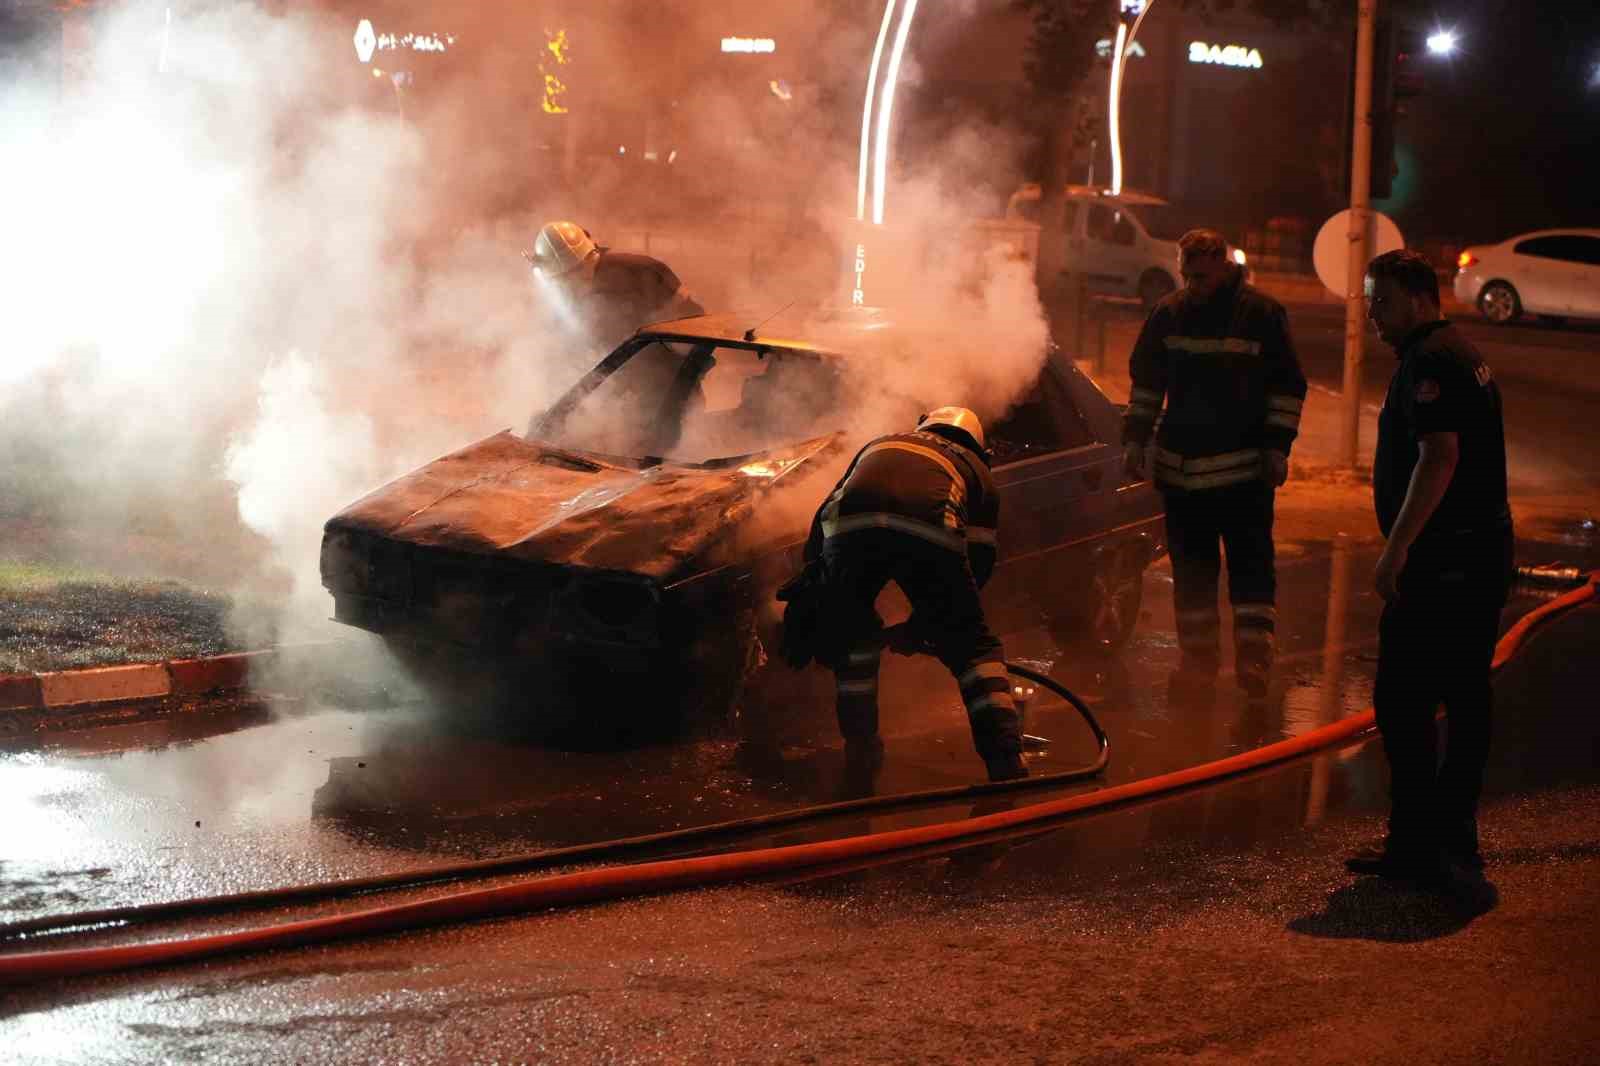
629,291
919,484
1228,374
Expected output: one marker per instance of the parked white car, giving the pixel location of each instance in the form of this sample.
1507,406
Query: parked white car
1108,243
1552,273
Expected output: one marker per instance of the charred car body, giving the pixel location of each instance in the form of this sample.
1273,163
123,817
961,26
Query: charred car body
636,534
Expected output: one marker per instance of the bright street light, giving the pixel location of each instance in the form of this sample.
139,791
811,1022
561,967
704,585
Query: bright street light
1442,42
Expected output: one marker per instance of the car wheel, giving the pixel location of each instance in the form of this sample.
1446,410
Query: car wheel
1115,595
1155,285
1499,302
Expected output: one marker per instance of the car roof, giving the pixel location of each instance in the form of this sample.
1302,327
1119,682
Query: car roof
812,329
1571,231
1032,191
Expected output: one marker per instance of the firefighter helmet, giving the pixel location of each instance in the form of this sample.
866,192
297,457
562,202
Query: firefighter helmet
561,248
952,421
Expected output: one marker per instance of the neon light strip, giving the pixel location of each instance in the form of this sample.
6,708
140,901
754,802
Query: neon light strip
1115,95
886,110
866,111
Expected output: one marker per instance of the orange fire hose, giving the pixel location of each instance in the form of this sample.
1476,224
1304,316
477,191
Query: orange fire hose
654,877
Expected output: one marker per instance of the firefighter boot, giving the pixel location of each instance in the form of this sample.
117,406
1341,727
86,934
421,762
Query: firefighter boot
1006,766
1254,642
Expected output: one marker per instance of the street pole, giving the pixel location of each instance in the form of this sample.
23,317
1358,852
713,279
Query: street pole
1359,234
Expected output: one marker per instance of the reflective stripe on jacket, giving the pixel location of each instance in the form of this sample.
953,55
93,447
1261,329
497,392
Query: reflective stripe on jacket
919,484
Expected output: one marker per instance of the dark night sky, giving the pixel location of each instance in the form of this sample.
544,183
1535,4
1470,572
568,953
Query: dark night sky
1506,136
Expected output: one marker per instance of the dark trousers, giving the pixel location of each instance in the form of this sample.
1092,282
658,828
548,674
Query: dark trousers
1435,643
948,612
1199,524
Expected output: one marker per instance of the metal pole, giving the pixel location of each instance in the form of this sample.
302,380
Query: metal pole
1359,234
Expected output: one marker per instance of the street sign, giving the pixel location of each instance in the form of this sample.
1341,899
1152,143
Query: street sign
1331,252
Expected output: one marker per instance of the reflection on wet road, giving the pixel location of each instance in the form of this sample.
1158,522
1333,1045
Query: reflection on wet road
279,792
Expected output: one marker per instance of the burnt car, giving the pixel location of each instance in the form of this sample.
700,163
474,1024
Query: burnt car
636,534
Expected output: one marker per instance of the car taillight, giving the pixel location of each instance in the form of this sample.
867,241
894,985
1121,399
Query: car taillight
1464,260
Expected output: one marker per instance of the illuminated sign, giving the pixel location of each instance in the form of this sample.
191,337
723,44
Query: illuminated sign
416,42
368,41
749,44
1225,55
554,55
859,297
1102,48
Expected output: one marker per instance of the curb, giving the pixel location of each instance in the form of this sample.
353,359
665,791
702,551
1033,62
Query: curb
138,682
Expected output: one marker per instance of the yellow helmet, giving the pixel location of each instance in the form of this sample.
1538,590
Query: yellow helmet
561,248
957,418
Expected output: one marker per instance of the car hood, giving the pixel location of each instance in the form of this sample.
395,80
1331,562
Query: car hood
515,498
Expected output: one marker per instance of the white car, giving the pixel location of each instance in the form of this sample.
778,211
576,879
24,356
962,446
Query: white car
1553,273
1108,243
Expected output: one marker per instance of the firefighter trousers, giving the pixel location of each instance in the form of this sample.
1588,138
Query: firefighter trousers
1435,645
1237,518
947,610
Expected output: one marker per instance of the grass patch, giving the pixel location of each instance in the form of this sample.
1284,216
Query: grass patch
62,617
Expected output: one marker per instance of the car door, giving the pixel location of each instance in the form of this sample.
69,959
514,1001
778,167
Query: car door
1055,485
1540,275
1111,250
1581,255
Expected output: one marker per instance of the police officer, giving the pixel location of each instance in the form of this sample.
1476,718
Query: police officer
1439,487
1218,353
611,294
918,509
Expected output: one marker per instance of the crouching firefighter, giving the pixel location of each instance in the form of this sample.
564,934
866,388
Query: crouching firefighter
1218,353
918,509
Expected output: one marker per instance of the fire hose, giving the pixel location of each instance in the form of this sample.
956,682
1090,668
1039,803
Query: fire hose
588,886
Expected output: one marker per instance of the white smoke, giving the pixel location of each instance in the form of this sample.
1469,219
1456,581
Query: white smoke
231,291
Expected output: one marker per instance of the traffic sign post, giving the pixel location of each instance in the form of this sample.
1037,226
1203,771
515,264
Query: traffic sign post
1344,246
1356,234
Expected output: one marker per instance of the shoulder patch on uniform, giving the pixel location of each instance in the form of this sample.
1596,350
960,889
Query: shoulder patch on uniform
1481,372
1427,390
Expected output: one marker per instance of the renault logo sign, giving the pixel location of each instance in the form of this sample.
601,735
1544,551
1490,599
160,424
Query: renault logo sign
366,41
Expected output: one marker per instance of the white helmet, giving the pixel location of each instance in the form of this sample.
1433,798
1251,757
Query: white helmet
561,248
957,418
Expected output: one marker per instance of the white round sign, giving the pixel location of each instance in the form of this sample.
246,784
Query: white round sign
1331,252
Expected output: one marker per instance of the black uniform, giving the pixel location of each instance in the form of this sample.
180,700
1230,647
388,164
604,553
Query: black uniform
628,291
921,511
1233,390
1437,637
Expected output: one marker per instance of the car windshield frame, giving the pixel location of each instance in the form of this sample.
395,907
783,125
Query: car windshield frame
672,411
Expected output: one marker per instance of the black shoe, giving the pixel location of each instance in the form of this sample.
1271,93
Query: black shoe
1468,857
863,758
1008,767
1417,867
864,754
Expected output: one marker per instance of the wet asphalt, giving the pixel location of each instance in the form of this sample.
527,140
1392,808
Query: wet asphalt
1212,925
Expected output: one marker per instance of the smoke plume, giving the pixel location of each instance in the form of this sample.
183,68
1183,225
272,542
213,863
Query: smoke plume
243,293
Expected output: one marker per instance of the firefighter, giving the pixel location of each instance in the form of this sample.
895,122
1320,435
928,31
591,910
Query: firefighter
1218,354
918,509
610,294
1439,488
